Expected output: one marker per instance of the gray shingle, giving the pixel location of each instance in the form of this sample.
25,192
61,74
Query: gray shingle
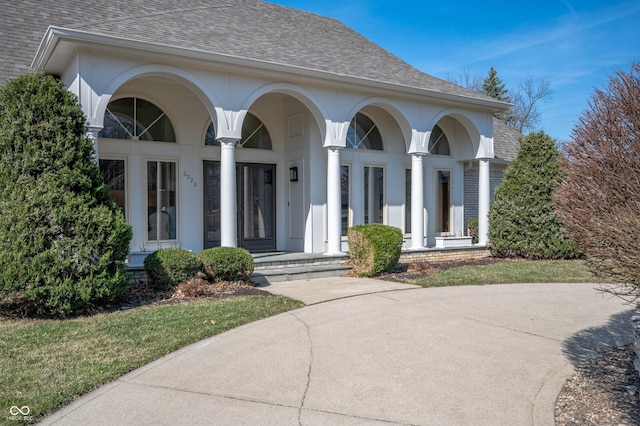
506,143
246,28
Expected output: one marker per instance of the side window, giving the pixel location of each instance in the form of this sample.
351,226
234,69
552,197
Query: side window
113,174
161,200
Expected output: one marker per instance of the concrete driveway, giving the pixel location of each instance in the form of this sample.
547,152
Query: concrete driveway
368,352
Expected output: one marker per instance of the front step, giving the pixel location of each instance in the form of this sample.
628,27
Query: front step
277,267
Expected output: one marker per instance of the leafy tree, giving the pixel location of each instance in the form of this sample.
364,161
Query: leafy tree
598,200
62,241
523,220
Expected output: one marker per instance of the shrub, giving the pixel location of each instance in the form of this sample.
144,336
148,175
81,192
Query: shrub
523,221
227,264
598,199
374,248
169,267
63,242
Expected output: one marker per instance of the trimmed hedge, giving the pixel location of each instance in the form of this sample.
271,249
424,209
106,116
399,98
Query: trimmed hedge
374,248
170,266
227,264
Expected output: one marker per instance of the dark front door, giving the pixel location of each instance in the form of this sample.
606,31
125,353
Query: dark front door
256,205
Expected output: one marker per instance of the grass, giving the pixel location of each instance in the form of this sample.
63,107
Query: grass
45,364
509,271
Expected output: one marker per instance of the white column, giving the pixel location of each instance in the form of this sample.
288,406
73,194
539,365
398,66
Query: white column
417,201
228,203
92,133
484,197
334,223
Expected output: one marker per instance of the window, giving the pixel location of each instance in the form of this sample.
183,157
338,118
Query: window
113,174
344,198
254,134
438,142
138,120
407,201
161,200
373,195
363,134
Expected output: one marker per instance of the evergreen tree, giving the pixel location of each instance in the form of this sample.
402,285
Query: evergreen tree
494,87
62,241
523,219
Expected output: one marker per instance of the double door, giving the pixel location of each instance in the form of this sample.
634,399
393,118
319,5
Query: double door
256,207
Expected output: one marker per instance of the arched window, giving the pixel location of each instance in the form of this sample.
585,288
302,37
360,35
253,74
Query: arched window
138,120
254,134
363,134
438,142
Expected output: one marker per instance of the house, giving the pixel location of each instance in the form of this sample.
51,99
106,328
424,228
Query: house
244,123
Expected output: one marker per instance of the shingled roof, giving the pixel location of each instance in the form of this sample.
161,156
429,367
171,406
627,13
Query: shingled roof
250,29
506,140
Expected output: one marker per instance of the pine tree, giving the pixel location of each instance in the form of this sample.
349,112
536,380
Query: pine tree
62,241
523,221
494,87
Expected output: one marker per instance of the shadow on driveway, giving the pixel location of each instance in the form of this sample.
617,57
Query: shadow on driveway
585,344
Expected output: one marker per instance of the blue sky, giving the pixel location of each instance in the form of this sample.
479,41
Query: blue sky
575,45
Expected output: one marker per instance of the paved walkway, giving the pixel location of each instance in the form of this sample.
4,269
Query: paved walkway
378,353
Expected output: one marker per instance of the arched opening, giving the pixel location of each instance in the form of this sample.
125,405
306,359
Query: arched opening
255,189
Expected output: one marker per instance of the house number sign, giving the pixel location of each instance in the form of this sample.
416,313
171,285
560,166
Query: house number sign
188,177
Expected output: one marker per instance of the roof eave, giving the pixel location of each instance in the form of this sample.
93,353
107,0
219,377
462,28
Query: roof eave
54,34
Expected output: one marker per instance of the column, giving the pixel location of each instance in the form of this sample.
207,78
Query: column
417,201
334,224
228,203
484,197
92,133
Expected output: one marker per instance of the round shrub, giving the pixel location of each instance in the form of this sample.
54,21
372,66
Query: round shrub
169,267
374,248
227,264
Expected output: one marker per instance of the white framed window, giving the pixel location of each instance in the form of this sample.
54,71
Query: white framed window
162,200
138,120
407,201
374,194
345,197
114,174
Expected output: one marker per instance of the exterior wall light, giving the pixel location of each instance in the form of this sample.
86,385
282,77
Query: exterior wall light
293,174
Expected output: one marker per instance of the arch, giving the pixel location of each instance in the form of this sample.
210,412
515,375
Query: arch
191,81
466,122
307,98
392,109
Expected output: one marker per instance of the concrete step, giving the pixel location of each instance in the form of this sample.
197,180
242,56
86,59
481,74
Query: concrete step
297,266
267,276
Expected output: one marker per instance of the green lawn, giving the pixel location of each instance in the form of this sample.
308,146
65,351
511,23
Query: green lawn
45,364
510,271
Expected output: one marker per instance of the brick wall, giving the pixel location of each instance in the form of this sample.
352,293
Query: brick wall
471,190
442,255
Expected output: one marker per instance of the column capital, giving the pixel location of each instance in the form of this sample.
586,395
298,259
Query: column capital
225,141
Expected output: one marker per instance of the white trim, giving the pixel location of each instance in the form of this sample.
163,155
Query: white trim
55,34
